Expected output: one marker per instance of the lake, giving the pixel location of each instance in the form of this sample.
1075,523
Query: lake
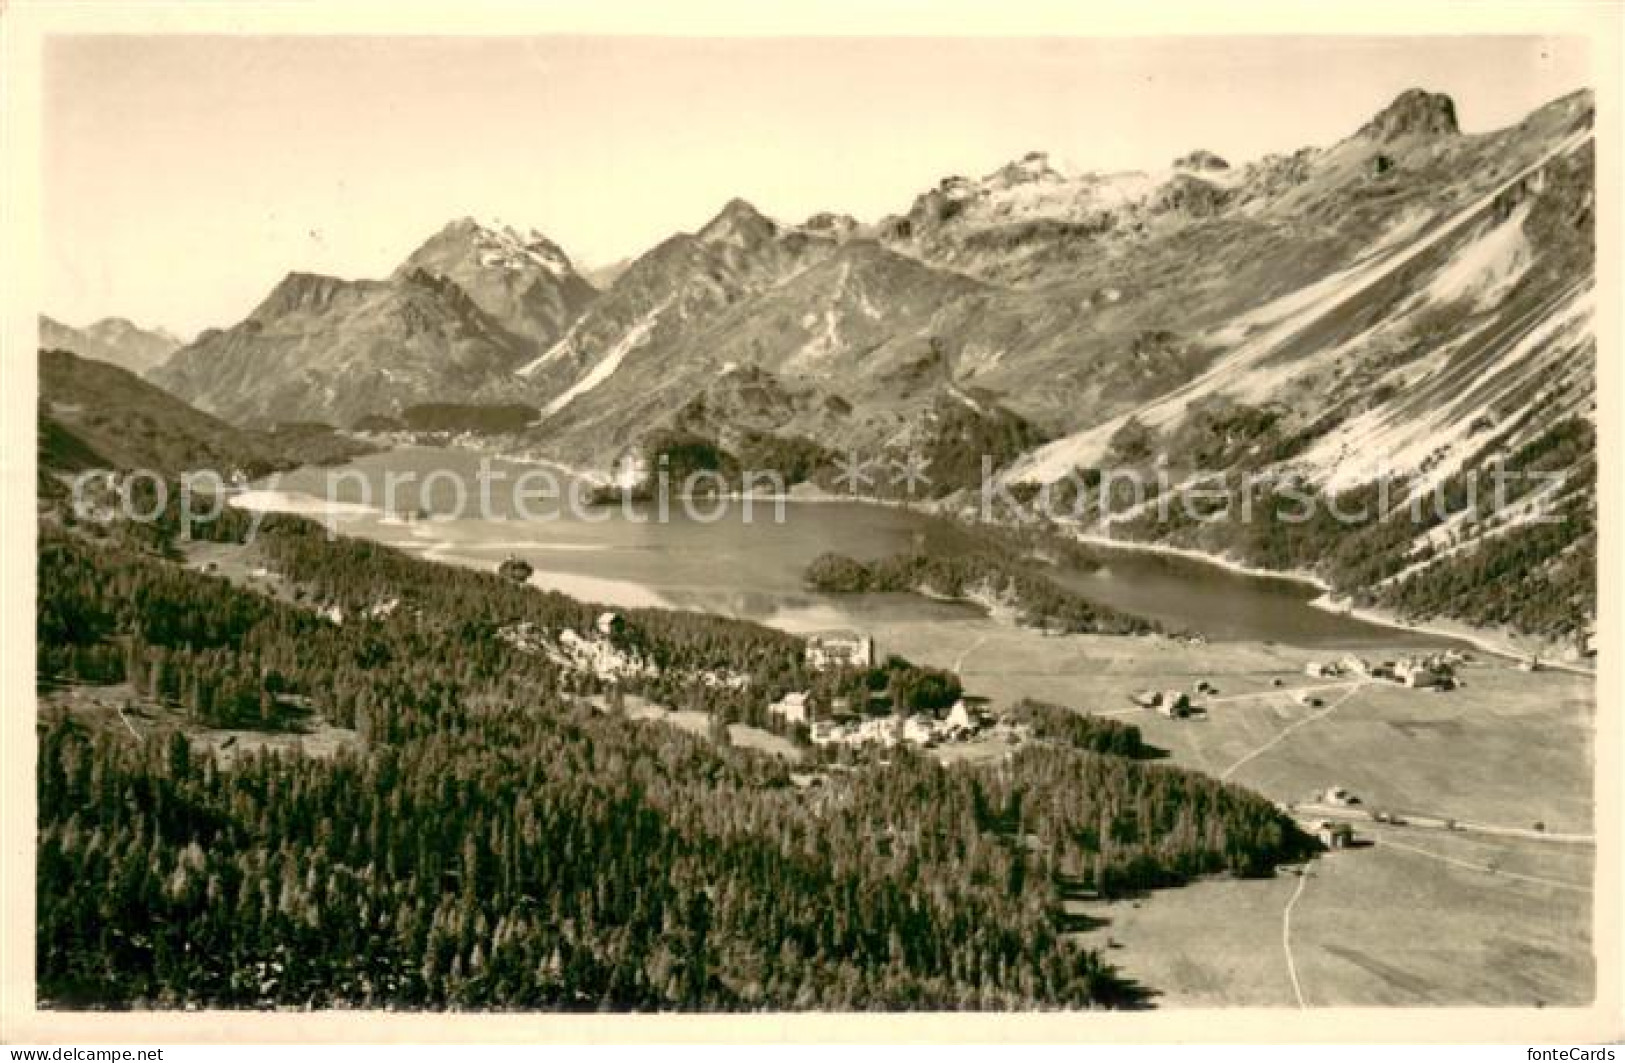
750,565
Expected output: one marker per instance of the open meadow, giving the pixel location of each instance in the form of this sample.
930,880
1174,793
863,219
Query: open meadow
1412,915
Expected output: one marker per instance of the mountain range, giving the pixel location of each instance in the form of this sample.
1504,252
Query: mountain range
114,340
1410,291
453,322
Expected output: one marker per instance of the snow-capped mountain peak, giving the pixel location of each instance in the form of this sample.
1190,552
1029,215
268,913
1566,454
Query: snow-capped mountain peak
501,246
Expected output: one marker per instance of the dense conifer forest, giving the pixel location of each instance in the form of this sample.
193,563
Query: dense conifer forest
993,580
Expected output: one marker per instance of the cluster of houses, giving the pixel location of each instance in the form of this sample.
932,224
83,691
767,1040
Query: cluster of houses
600,651
965,720
1174,704
870,723
1435,671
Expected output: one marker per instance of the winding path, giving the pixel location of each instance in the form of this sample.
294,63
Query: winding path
959,662
1281,736
1389,843
1286,935
127,723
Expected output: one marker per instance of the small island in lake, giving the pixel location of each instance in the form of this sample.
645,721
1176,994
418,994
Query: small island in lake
1001,586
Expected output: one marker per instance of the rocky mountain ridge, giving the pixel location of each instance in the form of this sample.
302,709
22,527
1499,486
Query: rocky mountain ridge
115,340
1409,289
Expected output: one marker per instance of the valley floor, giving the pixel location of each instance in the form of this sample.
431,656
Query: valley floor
1493,912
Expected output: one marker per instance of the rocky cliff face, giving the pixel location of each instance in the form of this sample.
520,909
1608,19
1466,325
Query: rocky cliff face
1416,113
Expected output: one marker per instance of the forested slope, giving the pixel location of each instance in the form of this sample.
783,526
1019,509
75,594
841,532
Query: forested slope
495,840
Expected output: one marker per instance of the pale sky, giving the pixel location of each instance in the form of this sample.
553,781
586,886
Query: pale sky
184,176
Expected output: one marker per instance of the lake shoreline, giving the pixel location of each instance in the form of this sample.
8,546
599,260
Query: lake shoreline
1488,640
1308,589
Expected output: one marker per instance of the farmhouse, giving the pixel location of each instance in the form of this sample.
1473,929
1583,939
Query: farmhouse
1334,835
1174,704
1321,670
611,624
876,730
1338,795
1167,702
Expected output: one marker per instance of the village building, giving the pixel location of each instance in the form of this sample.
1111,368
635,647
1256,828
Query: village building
792,708
831,649
631,470
1321,670
880,730
961,717
1424,672
920,730
611,624
842,708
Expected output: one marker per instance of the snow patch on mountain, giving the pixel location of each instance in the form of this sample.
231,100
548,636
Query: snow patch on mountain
1435,443
1488,268
824,343
634,338
564,347
507,248
1261,333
